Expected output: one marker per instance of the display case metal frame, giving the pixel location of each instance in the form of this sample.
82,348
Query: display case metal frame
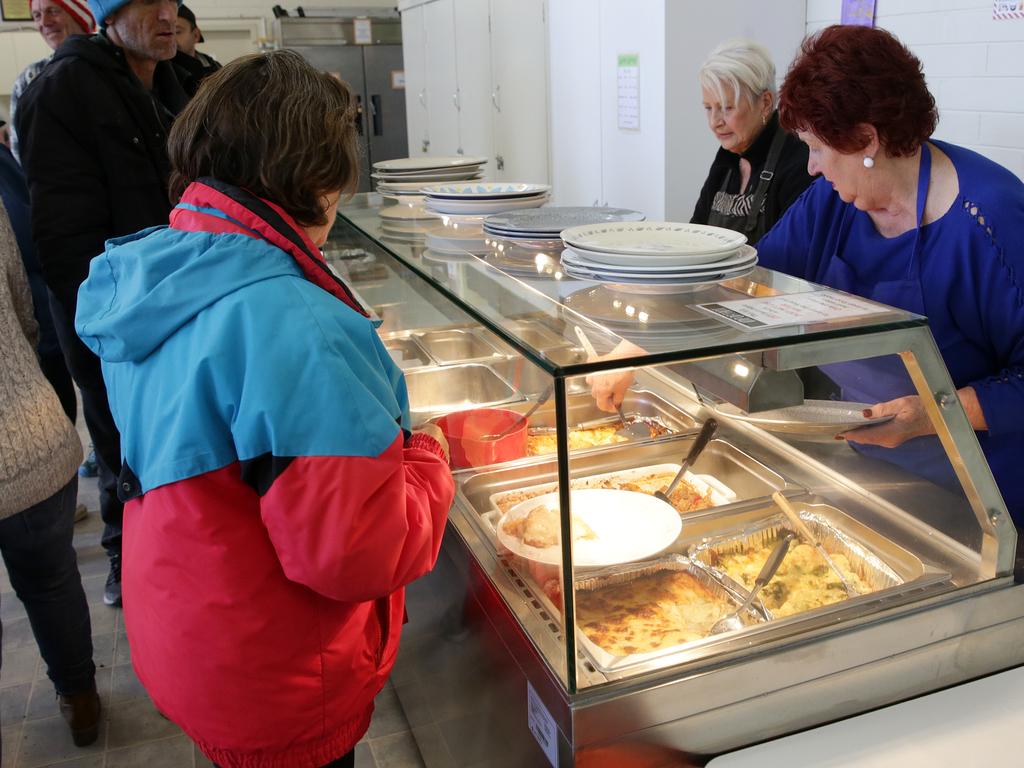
785,681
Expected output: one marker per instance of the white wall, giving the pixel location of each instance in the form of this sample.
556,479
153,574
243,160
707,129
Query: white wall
974,65
778,25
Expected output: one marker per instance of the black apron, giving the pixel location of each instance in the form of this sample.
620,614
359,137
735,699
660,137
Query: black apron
752,224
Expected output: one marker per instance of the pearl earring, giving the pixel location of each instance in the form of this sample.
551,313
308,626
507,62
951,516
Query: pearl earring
869,162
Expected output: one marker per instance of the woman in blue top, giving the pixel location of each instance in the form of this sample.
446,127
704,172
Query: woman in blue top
912,222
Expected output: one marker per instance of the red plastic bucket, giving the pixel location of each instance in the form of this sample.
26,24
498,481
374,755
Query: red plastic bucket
467,433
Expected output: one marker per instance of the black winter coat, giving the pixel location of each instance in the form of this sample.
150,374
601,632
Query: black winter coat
94,148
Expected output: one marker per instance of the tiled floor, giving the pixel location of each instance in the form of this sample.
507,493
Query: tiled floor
132,734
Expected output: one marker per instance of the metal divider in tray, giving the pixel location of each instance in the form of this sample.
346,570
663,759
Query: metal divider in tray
735,545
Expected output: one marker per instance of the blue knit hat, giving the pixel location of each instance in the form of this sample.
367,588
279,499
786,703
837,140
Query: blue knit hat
101,9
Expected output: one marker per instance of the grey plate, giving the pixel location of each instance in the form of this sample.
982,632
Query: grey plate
554,219
814,417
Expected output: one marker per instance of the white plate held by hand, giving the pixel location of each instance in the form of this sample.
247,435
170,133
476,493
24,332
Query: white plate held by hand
626,526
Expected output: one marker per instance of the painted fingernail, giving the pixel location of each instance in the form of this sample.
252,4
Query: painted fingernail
867,413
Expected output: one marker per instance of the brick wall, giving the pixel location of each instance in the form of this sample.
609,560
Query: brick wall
974,65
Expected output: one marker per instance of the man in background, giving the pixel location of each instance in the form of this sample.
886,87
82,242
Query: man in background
195,65
55,20
93,129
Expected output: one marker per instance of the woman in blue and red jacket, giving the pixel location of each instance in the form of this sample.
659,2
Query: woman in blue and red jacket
277,503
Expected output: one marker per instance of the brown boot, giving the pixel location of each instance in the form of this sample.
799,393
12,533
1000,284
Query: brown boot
82,711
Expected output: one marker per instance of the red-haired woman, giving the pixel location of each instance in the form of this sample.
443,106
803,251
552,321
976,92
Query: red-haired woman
912,222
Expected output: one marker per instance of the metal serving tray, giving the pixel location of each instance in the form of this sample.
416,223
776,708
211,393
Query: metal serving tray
885,566
457,346
637,403
407,353
434,391
607,661
745,476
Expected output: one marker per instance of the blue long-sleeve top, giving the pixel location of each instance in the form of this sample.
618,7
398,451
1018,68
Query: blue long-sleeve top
971,277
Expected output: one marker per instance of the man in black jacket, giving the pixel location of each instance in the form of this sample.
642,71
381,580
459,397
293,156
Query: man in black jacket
93,128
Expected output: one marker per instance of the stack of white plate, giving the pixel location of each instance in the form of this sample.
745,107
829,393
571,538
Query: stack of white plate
477,198
656,256
405,175
405,223
545,224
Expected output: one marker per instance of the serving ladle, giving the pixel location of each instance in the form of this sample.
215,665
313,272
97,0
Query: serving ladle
703,438
544,397
732,622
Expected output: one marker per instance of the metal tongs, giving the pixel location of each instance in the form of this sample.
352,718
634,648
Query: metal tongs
635,431
732,622
805,531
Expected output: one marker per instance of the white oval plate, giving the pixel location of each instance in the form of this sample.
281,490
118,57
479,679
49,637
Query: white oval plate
484,190
430,177
813,417
628,526
654,239
744,256
553,220
464,207
427,163
406,213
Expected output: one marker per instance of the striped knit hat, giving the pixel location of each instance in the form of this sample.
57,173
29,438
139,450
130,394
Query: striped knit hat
79,11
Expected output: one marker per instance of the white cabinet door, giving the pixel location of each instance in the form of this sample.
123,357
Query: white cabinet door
414,54
442,87
473,71
519,64
575,81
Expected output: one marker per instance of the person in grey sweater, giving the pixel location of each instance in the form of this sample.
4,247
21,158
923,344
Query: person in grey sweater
39,456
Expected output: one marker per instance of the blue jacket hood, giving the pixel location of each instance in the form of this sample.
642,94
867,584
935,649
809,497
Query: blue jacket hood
146,286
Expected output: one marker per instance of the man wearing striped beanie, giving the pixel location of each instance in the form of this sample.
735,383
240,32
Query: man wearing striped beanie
93,128
55,20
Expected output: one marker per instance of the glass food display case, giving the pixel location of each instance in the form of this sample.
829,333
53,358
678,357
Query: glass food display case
577,618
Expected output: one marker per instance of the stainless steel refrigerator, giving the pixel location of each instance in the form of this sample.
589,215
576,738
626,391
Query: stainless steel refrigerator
365,52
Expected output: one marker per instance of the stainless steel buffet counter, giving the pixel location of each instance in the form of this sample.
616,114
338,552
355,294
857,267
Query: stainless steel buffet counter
502,661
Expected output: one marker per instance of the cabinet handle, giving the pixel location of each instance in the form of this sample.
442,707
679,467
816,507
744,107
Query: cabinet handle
359,114
378,127
455,101
500,162
495,98
423,101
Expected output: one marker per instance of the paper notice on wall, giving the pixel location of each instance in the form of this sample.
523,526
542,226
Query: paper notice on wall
1008,9
859,12
363,31
629,91
795,309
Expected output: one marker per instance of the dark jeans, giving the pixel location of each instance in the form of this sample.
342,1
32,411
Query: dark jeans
40,558
85,370
345,761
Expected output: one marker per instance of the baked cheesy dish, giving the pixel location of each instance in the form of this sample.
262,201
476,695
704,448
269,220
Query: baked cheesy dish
685,498
588,437
803,582
650,613
540,528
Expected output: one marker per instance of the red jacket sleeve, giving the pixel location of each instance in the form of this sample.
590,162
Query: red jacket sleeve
358,528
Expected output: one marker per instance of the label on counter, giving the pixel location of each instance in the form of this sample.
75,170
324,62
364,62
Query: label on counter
794,309
363,31
542,725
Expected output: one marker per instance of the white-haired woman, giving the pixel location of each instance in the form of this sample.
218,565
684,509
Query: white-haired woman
760,169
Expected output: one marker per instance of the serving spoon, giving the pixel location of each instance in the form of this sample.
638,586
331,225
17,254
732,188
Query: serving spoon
732,622
805,530
703,438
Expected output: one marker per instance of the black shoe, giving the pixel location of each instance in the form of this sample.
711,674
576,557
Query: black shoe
112,592
82,712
